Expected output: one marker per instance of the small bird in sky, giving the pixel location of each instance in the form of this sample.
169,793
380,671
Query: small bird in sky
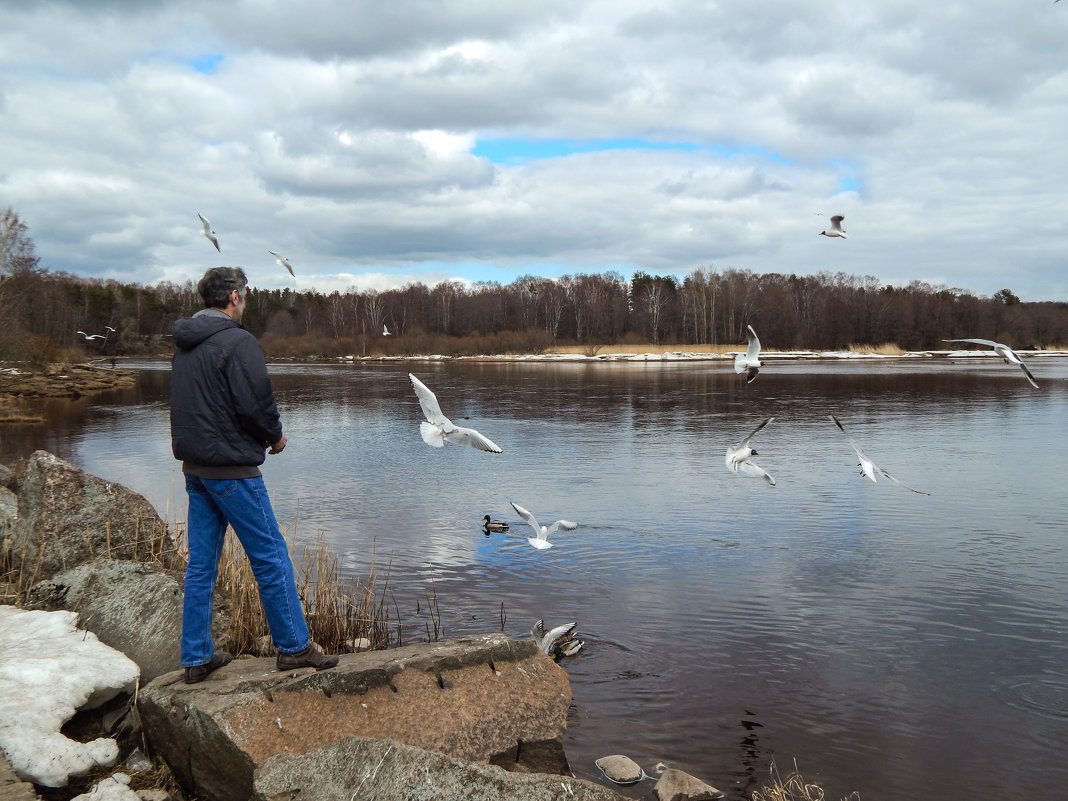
737,457
91,336
540,540
836,227
440,428
1005,352
282,262
867,466
749,362
207,232
385,332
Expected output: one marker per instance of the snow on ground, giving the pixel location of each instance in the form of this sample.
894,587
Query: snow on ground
49,670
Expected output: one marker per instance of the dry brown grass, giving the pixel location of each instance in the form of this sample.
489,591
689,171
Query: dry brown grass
885,349
338,612
793,788
594,350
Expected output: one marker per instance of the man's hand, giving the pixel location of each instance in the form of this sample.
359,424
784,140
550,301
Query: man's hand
279,446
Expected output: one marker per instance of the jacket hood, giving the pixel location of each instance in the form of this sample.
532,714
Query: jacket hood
191,331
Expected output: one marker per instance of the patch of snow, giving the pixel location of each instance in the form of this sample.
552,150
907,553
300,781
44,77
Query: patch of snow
49,670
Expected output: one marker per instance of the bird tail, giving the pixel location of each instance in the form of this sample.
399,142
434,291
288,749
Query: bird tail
432,435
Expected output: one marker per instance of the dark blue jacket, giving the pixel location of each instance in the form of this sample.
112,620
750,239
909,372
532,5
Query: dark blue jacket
223,412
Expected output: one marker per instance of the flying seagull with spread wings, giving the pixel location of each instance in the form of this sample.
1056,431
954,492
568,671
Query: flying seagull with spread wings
836,228
737,458
207,232
283,262
438,428
867,466
749,362
1005,352
540,540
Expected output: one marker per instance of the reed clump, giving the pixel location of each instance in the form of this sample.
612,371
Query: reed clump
884,349
340,613
793,788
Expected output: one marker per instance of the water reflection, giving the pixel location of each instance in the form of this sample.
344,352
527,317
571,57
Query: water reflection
896,644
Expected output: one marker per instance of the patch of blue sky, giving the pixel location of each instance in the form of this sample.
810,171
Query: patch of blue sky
520,150
207,64
849,184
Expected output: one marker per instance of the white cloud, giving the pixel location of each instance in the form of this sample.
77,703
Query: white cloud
341,134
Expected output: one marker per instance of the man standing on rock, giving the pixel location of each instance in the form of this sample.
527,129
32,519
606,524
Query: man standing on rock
223,418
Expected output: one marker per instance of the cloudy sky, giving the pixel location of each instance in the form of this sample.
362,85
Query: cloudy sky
377,143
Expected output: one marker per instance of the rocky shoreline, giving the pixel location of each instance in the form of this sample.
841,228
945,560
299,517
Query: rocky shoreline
477,718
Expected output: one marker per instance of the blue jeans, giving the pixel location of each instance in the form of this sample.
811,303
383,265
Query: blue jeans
243,503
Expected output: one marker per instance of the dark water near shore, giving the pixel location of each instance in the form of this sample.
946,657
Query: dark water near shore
901,645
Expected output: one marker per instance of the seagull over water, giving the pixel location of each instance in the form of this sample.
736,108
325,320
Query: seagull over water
749,362
1005,352
440,428
207,233
540,540
557,641
836,228
737,458
282,262
867,466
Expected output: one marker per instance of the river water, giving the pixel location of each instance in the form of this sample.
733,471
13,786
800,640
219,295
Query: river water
897,644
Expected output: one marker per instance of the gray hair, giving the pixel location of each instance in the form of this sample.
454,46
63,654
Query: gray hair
217,284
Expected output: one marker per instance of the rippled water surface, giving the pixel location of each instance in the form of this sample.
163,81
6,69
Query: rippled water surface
901,645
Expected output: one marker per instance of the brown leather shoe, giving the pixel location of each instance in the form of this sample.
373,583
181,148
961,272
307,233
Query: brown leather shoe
309,657
197,673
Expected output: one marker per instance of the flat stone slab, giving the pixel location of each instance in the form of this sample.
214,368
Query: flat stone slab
477,699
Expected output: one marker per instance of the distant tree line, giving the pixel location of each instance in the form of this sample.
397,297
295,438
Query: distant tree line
41,311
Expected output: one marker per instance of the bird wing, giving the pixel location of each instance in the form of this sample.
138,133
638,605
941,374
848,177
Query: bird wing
751,374
429,403
745,442
556,635
836,222
748,468
889,477
468,436
852,442
1027,372
752,351
986,342
204,222
529,518
566,525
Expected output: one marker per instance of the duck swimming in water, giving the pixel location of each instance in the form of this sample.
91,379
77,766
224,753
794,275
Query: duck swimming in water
493,525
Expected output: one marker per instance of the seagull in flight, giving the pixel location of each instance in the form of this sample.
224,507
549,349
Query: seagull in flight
109,328
385,332
91,336
558,641
737,458
836,227
540,540
867,466
1005,352
207,233
440,428
749,363
282,262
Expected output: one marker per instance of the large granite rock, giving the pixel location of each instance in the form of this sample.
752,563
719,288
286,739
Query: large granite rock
480,699
134,607
67,517
353,767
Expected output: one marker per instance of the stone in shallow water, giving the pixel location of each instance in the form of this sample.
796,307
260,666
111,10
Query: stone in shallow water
675,785
620,769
